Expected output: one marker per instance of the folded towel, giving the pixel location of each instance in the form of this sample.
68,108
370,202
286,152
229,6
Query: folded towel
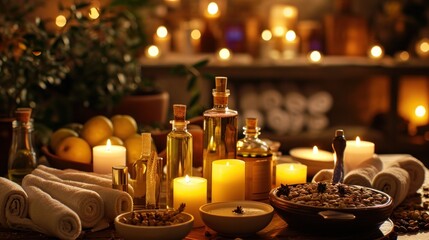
115,201
319,102
394,181
295,102
86,203
13,201
278,120
270,98
324,175
415,169
52,216
84,177
365,172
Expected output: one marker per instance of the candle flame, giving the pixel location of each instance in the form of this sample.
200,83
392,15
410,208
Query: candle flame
213,8
266,35
187,178
315,150
224,54
420,111
290,36
162,32
357,140
291,167
108,145
227,163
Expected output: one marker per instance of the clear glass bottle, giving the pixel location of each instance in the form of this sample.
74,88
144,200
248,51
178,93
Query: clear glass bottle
179,151
138,171
22,154
220,130
258,158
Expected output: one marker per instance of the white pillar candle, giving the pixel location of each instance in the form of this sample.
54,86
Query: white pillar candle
356,152
193,192
107,156
291,173
311,154
162,39
228,180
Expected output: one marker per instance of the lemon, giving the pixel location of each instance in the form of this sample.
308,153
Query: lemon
96,129
124,126
133,145
75,149
59,135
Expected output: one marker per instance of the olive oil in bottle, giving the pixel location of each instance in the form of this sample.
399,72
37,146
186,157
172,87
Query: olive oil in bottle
22,155
179,151
258,158
220,130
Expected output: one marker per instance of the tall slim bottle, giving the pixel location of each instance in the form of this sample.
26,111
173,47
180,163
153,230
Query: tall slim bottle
138,171
258,158
220,130
22,155
179,151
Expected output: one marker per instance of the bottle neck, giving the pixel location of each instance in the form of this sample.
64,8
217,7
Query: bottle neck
179,125
22,135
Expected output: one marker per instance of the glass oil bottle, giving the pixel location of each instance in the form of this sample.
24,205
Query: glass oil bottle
258,158
179,151
138,171
22,154
220,130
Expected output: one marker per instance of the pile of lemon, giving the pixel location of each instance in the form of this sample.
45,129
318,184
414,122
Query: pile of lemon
74,142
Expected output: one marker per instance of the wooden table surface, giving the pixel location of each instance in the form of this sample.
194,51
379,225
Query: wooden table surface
277,229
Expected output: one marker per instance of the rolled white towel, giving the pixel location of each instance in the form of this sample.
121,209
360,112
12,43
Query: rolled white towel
319,102
84,177
394,181
295,102
415,169
317,122
87,204
270,98
249,100
324,175
365,172
55,218
115,201
13,201
278,120
297,122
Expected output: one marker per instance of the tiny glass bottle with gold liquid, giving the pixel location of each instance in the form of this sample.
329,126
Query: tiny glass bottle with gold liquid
22,155
179,150
220,130
138,171
258,158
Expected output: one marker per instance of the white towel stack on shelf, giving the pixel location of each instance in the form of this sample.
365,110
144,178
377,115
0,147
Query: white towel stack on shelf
284,108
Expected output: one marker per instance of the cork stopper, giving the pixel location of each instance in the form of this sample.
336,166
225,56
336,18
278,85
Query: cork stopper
221,84
146,143
179,111
339,132
251,125
120,178
23,114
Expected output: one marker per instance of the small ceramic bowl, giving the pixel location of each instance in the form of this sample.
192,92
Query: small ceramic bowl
170,232
56,162
222,217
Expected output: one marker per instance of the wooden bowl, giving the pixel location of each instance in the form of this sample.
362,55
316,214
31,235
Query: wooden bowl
331,219
61,163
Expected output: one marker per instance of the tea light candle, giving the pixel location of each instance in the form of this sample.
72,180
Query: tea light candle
228,180
312,154
291,173
290,45
107,156
356,152
193,192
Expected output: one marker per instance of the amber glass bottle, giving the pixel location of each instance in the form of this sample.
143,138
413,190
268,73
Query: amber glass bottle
258,158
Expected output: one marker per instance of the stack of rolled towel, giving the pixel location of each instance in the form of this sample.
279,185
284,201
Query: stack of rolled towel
397,177
49,203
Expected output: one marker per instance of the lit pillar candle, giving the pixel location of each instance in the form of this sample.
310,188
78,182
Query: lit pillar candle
291,173
162,40
290,45
193,192
107,156
228,180
356,152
